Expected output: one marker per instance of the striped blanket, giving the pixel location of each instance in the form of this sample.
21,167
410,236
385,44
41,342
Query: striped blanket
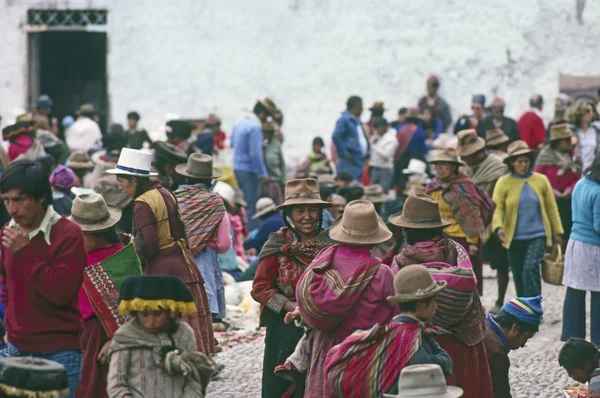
368,362
325,297
201,212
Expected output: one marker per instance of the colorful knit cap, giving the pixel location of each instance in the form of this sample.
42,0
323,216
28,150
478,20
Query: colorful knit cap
525,309
63,177
155,293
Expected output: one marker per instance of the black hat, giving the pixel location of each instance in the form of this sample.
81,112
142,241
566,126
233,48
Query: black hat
115,138
170,152
154,293
33,377
179,129
14,130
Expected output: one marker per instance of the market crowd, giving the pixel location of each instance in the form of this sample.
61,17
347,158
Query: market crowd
366,258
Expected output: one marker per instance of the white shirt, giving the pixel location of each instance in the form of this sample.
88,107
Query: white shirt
362,139
84,135
587,145
383,149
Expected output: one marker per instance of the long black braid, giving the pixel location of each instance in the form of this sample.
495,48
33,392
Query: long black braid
286,213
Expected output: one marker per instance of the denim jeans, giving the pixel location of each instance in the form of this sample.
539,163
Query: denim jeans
70,359
248,183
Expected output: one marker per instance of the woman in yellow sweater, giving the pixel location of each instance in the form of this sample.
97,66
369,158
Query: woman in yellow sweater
467,206
526,218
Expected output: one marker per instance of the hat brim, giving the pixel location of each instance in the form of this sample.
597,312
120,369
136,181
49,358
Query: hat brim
113,218
567,137
520,152
304,202
261,213
497,141
468,150
80,165
127,173
181,169
399,221
406,298
451,392
412,172
241,202
336,232
376,199
443,160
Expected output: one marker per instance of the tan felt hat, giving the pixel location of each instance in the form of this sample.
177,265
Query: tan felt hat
304,191
420,212
359,225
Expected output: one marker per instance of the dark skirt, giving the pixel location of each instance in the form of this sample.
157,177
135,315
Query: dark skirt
495,254
566,216
280,342
476,262
93,373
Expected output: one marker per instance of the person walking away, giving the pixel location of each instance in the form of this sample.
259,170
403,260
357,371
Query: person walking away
441,109
497,120
563,170
166,158
283,259
465,204
517,322
581,259
275,163
369,363
62,180
350,139
485,170
526,218
136,137
344,289
460,313
580,359
248,162
160,238
496,143
207,226
383,147
466,121
412,144
85,134
581,115
154,355
111,257
531,124
41,270
41,116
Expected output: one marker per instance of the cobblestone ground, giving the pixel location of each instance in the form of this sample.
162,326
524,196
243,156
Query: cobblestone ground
534,369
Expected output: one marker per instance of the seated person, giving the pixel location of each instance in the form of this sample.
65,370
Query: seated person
269,221
580,358
517,322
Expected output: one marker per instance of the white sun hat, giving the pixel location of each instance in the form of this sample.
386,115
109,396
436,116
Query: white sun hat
133,163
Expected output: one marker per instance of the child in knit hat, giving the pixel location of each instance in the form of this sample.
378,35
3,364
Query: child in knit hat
62,180
510,329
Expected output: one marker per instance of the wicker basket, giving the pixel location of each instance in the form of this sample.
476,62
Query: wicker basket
553,266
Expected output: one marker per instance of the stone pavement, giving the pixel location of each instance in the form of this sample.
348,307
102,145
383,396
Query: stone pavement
534,369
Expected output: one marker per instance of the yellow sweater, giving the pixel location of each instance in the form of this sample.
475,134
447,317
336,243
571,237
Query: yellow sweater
453,230
507,195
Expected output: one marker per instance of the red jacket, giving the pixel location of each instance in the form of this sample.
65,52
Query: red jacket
532,130
40,285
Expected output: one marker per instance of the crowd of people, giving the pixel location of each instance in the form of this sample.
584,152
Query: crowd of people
367,260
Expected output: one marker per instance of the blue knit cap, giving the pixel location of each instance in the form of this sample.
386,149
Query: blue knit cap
479,99
525,309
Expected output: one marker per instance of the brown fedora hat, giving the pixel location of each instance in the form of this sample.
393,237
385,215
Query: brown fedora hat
80,160
446,155
495,137
414,282
91,213
377,105
469,143
517,148
359,225
199,166
303,191
413,115
374,194
560,132
420,212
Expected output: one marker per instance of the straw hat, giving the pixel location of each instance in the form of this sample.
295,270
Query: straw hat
416,166
303,191
91,213
80,160
225,191
424,381
448,155
133,163
264,206
378,106
33,377
359,225
413,283
420,212
560,132
199,166
495,137
469,143
374,194
517,148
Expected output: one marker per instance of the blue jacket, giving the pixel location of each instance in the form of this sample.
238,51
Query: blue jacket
345,137
586,211
247,144
271,224
418,144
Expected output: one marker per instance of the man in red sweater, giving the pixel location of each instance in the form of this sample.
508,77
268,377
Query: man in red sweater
41,269
531,124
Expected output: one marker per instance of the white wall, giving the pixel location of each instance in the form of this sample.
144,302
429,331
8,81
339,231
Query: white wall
192,57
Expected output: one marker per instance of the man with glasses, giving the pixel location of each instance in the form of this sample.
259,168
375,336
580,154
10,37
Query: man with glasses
531,124
497,120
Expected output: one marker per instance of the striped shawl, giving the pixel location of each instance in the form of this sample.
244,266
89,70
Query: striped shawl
201,212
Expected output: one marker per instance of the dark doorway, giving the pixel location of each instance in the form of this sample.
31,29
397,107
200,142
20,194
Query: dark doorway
70,66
